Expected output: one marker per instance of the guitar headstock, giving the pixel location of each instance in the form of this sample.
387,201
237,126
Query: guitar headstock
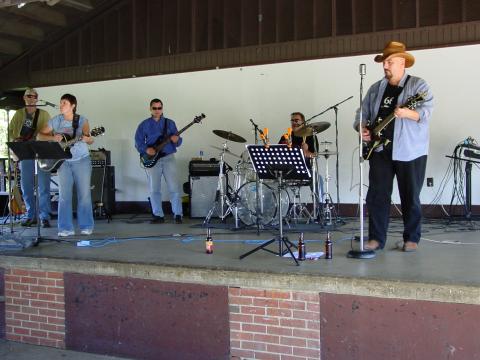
198,119
100,130
414,100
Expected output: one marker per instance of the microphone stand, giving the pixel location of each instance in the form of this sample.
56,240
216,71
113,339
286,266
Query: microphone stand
361,254
335,108
257,130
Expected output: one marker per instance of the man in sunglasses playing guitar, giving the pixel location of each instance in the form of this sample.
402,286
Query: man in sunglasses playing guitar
24,126
396,113
150,133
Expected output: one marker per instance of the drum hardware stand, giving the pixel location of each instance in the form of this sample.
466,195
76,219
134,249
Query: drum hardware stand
361,253
268,163
328,212
222,200
257,130
298,209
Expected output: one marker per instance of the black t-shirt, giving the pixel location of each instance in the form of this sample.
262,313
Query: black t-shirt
387,106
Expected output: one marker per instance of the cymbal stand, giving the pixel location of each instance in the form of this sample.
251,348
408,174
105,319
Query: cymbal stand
328,210
221,197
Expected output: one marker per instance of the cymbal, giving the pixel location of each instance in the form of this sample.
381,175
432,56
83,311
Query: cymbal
226,151
229,136
320,126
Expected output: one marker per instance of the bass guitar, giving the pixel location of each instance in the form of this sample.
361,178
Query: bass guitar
376,129
148,161
51,165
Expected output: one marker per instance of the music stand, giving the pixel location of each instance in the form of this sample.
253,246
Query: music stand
34,150
278,162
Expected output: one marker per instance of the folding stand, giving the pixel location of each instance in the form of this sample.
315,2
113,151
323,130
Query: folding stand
281,163
34,150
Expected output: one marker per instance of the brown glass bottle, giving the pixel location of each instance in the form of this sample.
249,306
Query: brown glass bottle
302,252
209,243
328,247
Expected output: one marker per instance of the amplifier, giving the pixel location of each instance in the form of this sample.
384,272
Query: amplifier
100,158
204,168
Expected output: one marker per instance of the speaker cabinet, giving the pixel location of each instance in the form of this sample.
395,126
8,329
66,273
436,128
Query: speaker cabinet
202,195
105,176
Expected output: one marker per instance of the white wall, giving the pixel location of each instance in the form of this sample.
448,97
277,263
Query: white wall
268,94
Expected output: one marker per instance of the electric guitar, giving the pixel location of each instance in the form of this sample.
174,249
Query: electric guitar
148,161
51,165
376,129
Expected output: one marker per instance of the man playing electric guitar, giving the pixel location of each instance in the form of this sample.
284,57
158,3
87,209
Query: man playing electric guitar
404,155
25,126
150,133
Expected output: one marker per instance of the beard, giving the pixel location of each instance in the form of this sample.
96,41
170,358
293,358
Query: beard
388,74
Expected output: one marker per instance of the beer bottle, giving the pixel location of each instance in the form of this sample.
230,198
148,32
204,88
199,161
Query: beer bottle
209,243
301,248
328,247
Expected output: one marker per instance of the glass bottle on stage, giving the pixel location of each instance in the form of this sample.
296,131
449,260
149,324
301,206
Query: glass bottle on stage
209,243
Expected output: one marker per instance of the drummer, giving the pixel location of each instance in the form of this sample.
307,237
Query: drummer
308,144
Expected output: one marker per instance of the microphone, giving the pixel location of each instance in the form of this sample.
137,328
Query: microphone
256,126
362,69
49,103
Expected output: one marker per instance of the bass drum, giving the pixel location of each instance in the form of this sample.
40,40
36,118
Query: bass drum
267,202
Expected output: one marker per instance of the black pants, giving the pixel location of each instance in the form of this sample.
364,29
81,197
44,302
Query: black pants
410,176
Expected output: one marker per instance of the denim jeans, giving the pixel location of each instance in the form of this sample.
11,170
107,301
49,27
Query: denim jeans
27,173
78,172
167,167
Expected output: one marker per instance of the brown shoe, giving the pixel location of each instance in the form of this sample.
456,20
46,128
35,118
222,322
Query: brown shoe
410,246
372,245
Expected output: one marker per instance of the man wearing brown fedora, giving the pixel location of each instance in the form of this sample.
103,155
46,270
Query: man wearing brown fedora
404,154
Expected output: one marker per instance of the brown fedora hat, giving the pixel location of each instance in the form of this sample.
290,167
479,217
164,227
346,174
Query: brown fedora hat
395,48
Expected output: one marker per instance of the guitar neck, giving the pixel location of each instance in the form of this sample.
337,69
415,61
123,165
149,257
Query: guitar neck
167,140
383,124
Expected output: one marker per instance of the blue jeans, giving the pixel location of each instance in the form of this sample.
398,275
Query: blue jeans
78,172
167,167
27,172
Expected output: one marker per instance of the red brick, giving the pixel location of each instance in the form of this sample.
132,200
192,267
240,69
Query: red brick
251,345
20,272
21,331
55,275
234,344
40,319
266,356
13,322
13,308
293,341
242,353
61,314
279,349
39,333
59,283
313,344
12,279
254,328
56,336
9,315
29,295
57,306
30,325
23,302
48,327
48,342
29,310
47,312
241,318
239,300
314,325
272,339
279,330
252,310
297,305
279,312
12,293
46,297
13,337
311,297
234,326
307,315
39,304
233,291
265,302
278,294
265,320
56,290
307,352
30,340
20,287
46,282
296,323
313,307
291,357
38,289
307,334
239,335
56,321
252,292
37,274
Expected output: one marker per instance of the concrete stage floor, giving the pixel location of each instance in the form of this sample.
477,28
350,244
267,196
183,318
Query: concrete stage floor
448,253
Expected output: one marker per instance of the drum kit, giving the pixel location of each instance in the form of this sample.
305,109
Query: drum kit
254,201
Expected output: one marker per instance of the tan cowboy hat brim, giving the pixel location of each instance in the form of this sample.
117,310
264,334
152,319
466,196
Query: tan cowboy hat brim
409,59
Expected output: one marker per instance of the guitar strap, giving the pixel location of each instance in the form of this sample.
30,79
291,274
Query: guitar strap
405,84
75,122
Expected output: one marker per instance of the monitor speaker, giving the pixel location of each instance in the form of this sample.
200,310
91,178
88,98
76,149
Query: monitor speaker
202,195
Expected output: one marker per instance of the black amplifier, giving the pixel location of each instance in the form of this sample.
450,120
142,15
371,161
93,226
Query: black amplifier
204,168
100,158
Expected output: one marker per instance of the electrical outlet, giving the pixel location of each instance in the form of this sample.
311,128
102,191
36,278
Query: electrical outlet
430,182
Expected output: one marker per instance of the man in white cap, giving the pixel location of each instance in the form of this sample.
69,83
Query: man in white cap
24,126
404,154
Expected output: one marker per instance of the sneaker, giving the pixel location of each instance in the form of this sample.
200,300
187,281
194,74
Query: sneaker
157,220
29,222
45,223
65,233
86,231
178,219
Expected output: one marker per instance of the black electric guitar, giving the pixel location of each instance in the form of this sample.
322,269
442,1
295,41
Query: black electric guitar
51,165
376,129
149,161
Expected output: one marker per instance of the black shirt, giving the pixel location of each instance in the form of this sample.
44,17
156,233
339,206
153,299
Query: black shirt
387,106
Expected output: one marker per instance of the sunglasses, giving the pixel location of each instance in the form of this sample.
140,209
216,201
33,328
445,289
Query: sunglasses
31,96
157,108
296,121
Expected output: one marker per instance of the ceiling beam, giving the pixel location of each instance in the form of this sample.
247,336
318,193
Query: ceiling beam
8,3
10,47
22,30
82,5
41,14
